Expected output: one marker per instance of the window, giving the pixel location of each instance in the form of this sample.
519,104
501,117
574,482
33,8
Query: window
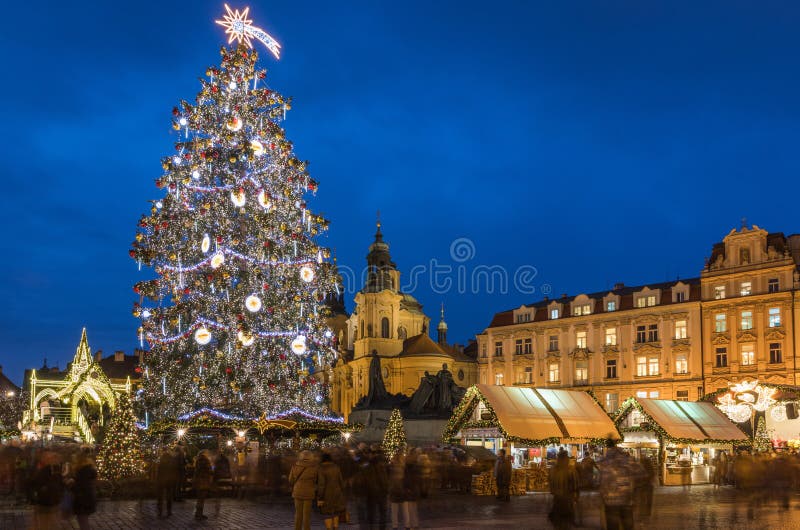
527,346
581,371
553,373
682,395
651,300
747,320
744,256
775,353
580,339
719,292
641,393
653,394
773,285
611,306
612,401
680,296
722,357
553,343
611,369
483,350
583,309
385,328
748,355
652,333
518,346
554,314
523,317
680,329
641,301
681,364
498,349
641,366
498,379
745,288
774,317
611,336
652,366
526,376
720,323
641,334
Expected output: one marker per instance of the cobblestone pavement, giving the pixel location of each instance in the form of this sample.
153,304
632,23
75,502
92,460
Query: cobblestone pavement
700,507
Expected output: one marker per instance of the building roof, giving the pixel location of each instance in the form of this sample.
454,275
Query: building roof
685,420
506,318
6,384
422,344
120,369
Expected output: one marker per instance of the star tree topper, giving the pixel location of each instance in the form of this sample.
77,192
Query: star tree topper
240,28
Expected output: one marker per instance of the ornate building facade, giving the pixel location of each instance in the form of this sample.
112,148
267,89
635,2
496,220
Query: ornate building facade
673,340
391,323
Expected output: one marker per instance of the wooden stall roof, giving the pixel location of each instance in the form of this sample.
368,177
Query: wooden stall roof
693,421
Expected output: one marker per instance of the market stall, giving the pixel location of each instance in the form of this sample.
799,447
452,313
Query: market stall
530,423
687,437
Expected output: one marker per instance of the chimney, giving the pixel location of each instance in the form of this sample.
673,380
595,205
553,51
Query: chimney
98,356
546,299
119,356
618,286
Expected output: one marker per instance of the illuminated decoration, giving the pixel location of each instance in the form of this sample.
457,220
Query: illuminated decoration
202,336
307,274
744,398
252,303
252,251
238,197
120,456
263,200
394,438
245,339
217,260
206,244
257,147
239,28
299,345
778,413
234,124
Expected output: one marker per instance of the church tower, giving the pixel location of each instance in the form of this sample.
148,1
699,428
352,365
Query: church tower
441,330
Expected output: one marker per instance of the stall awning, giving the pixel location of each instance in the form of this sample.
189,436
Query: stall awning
540,414
691,421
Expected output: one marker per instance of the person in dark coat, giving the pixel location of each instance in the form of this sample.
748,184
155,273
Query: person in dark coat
502,475
564,487
166,480
371,486
397,494
303,479
84,491
412,486
330,491
46,491
202,480
222,478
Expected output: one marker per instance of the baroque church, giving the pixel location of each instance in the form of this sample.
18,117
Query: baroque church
391,324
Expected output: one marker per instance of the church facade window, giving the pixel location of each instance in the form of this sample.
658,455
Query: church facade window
385,328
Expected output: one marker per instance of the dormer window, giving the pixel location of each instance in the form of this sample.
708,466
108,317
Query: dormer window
646,301
523,317
611,305
554,313
582,309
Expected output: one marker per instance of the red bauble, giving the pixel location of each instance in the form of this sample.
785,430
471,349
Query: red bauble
175,111
219,239
228,370
282,357
214,89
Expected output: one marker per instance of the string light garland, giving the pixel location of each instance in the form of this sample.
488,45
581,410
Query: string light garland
394,438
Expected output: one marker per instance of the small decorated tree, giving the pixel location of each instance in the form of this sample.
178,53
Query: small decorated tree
120,455
761,441
394,439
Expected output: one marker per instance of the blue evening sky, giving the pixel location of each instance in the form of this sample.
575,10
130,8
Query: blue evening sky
595,141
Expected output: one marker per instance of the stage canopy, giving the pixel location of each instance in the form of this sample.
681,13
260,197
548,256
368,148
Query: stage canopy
536,416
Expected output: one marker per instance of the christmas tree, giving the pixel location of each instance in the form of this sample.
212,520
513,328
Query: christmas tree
394,439
120,455
761,442
235,317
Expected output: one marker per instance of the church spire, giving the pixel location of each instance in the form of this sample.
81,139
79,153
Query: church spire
441,330
380,267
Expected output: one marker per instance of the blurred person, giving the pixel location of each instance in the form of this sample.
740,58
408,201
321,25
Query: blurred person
330,491
397,497
502,475
84,490
303,480
166,480
182,461
564,488
370,487
426,473
202,481
46,491
412,485
222,478
645,486
586,483
617,480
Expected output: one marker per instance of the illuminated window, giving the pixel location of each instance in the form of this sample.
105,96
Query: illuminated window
745,288
680,329
611,369
611,306
498,379
681,364
748,355
747,320
553,314
641,366
720,323
721,357
553,371
612,401
581,371
719,292
641,393
652,366
774,317
580,339
653,394
553,343
775,353
611,336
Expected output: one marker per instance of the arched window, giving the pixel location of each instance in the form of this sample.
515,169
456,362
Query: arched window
385,328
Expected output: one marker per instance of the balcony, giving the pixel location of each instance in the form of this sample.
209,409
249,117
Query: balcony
610,348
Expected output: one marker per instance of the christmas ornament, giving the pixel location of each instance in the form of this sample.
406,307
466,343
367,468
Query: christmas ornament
253,303
307,274
217,260
206,244
299,345
238,198
245,339
234,124
257,147
202,336
263,200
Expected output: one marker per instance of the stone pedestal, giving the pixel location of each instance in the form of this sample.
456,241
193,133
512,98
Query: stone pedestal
418,431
